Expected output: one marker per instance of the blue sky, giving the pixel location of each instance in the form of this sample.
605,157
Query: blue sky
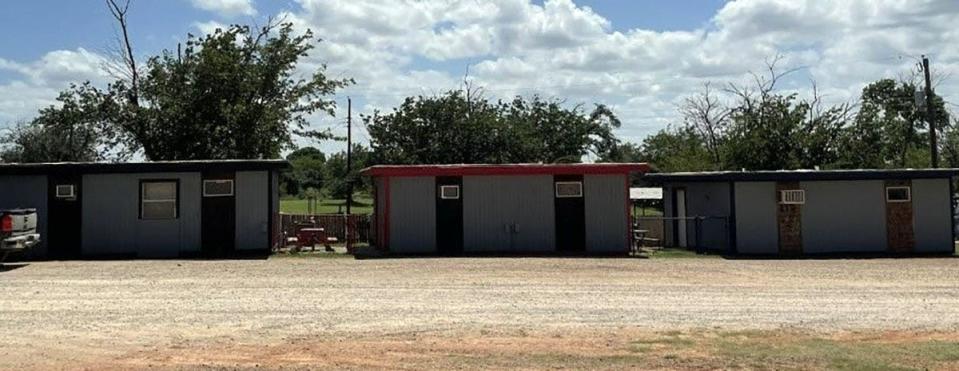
640,57
159,24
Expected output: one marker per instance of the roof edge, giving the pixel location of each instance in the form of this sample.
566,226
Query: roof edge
799,175
504,169
141,167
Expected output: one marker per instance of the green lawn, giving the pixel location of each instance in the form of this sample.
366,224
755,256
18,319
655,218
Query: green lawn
361,205
797,350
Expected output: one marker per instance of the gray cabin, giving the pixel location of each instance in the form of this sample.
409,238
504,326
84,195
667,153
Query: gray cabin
503,209
148,210
810,212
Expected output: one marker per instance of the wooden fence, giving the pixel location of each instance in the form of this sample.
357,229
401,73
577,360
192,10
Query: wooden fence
334,224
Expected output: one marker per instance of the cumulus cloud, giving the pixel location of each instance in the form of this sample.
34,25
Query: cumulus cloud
561,49
226,8
36,84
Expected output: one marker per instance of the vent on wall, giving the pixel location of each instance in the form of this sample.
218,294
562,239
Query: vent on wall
65,191
218,188
898,194
792,197
449,192
569,189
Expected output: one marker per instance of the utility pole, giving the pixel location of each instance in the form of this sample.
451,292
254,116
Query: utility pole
349,171
929,114
349,152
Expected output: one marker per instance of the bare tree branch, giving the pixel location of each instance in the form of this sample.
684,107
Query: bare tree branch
709,117
129,60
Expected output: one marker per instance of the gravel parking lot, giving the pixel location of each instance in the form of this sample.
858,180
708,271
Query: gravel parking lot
61,313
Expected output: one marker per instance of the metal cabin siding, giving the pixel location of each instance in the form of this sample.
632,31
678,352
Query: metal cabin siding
27,192
275,209
703,199
711,200
844,216
931,201
252,214
510,213
112,224
379,212
606,219
757,229
412,217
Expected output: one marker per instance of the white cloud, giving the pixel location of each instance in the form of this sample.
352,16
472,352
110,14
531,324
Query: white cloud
560,49
209,27
226,8
36,84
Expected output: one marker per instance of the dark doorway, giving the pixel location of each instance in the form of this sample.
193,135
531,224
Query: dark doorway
570,209
218,213
65,209
449,215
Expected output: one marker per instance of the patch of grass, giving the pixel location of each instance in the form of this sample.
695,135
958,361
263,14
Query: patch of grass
777,351
361,205
672,341
673,253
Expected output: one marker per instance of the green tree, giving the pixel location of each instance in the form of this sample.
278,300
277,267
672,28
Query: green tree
457,128
443,129
307,170
890,128
339,180
73,130
677,149
624,152
544,131
230,94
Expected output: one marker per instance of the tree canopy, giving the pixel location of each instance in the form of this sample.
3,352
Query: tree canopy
234,93
758,128
455,128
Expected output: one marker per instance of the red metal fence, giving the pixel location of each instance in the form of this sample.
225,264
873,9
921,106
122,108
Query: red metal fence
334,224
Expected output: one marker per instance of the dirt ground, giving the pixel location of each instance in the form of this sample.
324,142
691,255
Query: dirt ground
469,312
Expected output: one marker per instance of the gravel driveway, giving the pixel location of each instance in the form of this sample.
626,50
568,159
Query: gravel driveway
64,310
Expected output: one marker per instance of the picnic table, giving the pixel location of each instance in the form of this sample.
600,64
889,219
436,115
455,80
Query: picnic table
312,236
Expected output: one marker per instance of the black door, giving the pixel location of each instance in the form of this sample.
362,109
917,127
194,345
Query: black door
570,213
64,219
218,213
449,215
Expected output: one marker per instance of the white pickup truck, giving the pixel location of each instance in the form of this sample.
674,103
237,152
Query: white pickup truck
18,231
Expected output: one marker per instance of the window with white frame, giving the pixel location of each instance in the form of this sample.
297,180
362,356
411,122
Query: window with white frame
569,189
450,192
65,191
792,197
217,187
158,199
898,194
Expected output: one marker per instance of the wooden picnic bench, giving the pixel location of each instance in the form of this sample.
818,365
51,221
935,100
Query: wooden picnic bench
311,236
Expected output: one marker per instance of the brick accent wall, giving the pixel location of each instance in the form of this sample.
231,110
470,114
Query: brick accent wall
900,233
790,221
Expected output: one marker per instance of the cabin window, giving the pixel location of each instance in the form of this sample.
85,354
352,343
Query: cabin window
450,192
792,197
569,189
898,194
158,199
218,188
65,191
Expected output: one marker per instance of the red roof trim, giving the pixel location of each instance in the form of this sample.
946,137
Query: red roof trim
506,169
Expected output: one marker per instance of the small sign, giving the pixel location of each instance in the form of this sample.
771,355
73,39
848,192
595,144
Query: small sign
645,193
